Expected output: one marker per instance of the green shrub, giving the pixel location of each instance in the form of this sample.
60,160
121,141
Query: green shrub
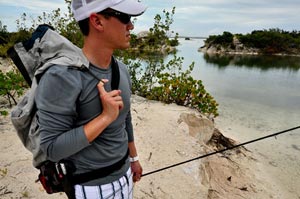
179,87
12,85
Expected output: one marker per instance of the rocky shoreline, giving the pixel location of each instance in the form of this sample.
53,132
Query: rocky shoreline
237,48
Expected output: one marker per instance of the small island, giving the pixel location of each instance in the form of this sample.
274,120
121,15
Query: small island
270,42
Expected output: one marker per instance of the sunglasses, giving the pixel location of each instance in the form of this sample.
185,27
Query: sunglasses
122,17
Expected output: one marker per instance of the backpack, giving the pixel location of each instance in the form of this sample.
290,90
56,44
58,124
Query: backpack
33,57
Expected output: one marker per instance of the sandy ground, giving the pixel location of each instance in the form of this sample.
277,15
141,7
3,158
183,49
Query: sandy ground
279,157
168,134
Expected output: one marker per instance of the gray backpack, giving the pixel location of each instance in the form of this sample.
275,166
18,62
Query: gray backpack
33,57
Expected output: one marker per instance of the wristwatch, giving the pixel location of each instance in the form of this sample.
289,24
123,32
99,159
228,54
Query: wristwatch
134,159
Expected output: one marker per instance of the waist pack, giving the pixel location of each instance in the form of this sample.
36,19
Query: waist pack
59,176
54,176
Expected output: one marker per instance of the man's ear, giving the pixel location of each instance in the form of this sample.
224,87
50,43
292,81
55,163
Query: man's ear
96,21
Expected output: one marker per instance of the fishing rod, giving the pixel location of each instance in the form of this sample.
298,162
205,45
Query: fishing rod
221,151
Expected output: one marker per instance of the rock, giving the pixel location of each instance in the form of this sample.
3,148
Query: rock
142,34
199,127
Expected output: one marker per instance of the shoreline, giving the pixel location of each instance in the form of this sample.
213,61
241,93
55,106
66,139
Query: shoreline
213,50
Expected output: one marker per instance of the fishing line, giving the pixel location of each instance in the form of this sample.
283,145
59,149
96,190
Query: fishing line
221,151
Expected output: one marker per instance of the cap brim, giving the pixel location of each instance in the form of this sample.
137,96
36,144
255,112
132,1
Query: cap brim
130,7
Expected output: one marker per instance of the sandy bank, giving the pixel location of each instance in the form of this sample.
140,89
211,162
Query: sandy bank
165,134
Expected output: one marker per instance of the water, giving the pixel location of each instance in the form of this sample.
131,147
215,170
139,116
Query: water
257,96
274,82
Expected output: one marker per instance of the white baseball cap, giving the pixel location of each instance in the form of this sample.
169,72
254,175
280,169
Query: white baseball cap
82,9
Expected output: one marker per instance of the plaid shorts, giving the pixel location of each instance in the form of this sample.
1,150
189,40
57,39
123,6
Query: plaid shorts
119,189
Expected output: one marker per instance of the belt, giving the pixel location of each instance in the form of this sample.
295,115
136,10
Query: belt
98,173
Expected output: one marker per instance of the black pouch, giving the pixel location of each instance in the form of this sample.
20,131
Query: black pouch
54,176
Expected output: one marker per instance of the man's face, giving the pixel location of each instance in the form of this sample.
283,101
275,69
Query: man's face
117,30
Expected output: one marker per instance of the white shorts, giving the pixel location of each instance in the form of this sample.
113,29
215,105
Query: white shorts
119,189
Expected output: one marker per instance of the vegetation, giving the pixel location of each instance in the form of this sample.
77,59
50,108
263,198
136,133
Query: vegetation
225,39
151,76
9,39
12,85
158,35
272,41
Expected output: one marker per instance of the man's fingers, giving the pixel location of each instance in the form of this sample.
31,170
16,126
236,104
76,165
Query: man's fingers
121,105
112,96
100,86
136,177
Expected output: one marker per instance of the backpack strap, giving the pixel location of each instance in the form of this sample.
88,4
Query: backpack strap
12,53
115,80
115,74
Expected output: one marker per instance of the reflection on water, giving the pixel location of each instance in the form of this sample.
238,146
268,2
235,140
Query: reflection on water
262,62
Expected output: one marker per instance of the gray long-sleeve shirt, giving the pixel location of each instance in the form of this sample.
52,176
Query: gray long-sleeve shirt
67,99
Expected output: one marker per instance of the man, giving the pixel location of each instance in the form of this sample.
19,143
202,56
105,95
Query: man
85,120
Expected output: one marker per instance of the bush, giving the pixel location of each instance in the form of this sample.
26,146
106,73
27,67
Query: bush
183,90
224,40
12,85
272,41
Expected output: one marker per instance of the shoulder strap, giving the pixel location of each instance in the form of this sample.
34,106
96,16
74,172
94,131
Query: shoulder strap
115,73
18,62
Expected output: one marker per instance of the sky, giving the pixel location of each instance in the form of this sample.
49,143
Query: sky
192,17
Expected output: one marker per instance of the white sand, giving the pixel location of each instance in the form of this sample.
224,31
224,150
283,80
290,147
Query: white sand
279,157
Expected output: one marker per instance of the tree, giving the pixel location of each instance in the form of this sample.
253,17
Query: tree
3,28
3,34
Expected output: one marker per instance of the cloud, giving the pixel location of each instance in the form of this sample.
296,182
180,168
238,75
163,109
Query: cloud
236,15
191,16
35,6
11,10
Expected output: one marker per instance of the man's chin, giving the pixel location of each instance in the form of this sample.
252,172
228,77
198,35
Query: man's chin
124,47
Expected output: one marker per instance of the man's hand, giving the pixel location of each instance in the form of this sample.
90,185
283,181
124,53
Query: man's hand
137,171
111,101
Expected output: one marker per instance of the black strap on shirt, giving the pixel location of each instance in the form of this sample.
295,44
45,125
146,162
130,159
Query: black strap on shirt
115,79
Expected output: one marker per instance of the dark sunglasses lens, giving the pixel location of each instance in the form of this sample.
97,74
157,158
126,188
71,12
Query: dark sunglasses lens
125,19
